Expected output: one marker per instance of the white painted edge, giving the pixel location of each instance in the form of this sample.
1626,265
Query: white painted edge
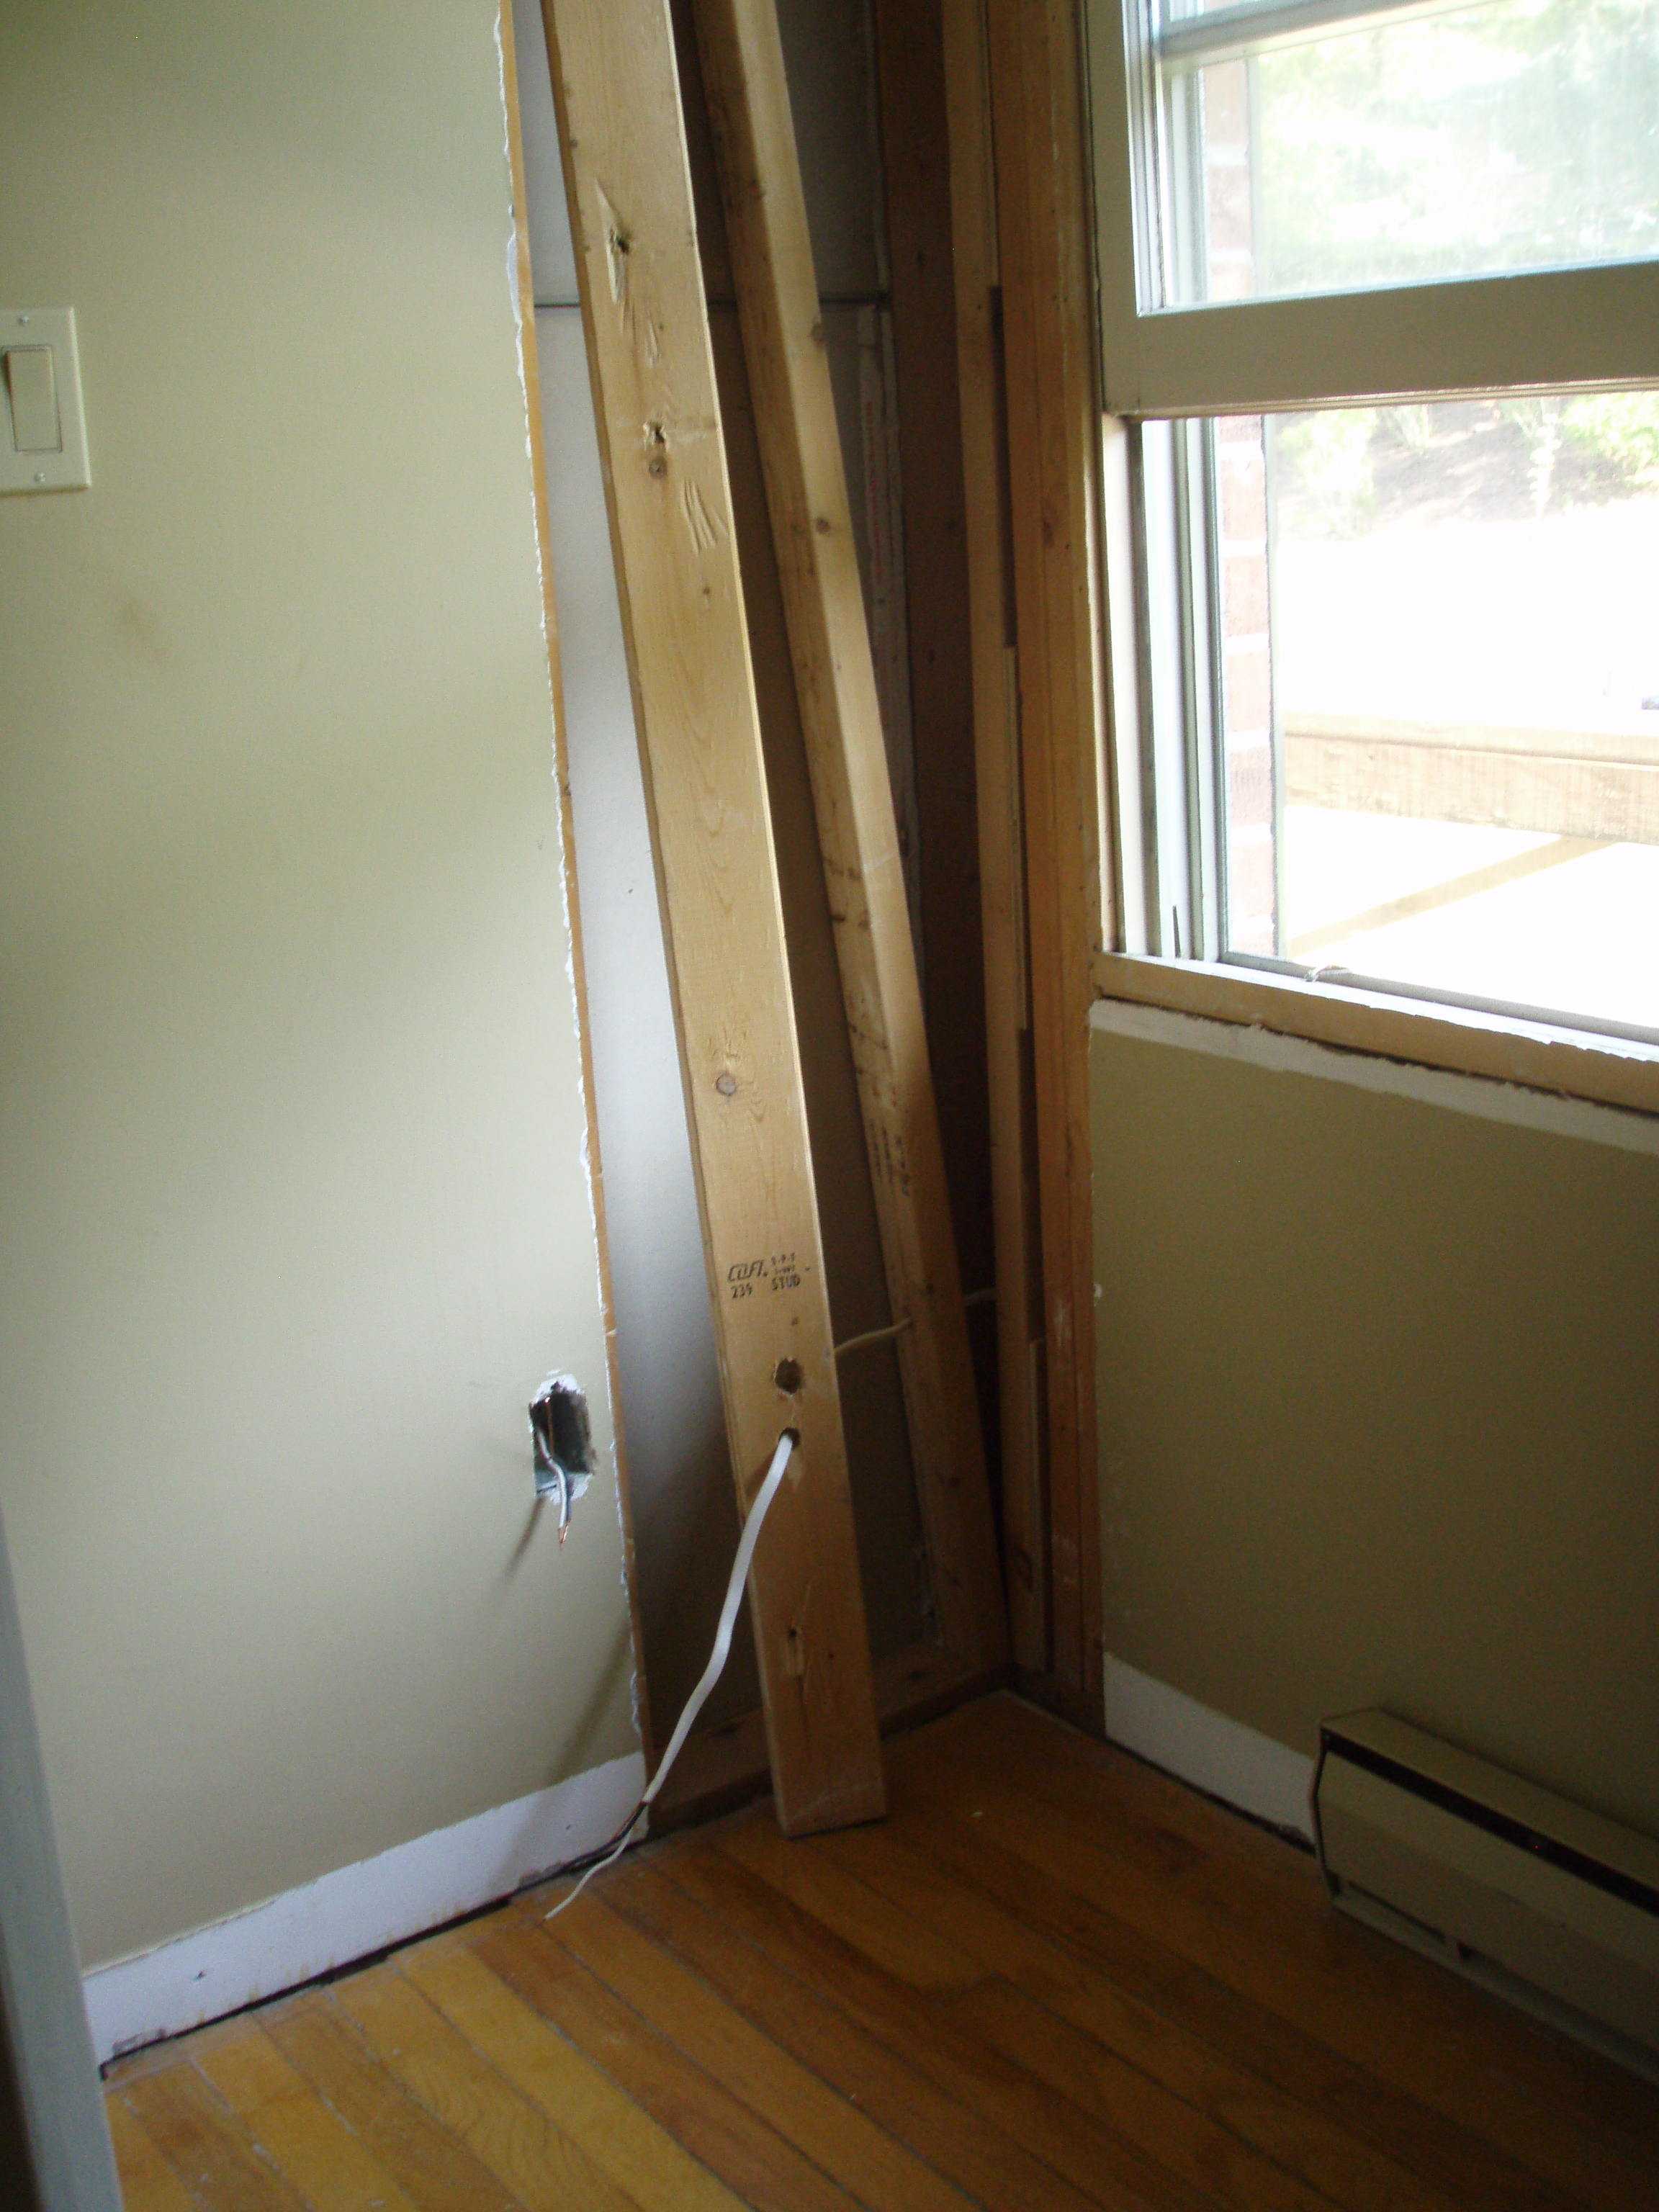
355,1911
1222,1757
1482,1096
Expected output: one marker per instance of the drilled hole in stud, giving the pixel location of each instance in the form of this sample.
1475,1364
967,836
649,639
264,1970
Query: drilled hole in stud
790,1377
726,1084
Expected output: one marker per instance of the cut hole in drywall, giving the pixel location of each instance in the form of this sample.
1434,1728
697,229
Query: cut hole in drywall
561,1444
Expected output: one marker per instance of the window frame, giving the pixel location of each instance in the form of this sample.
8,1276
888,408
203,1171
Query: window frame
1591,328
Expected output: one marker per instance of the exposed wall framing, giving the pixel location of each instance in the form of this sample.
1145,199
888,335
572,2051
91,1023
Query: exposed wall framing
668,495
1000,833
836,685
1034,53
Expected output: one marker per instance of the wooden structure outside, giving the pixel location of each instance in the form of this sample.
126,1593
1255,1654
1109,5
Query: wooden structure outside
1602,784
650,358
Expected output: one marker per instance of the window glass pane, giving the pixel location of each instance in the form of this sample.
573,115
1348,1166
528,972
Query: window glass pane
1508,135
1462,696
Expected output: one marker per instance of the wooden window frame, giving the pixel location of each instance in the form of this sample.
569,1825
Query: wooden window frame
1581,328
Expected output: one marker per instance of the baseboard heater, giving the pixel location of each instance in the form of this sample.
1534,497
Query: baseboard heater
1550,1904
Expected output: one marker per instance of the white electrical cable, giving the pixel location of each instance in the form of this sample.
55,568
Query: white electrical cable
897,1328
717,1658
871,1336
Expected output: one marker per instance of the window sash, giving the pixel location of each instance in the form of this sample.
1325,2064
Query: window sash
1580,328
1260,26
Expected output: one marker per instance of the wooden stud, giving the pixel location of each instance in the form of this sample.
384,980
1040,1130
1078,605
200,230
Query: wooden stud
834,677
916,174
669,501
1001,833
1054,435
725,1765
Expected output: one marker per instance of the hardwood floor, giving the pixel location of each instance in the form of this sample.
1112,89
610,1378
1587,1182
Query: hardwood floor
1051,1980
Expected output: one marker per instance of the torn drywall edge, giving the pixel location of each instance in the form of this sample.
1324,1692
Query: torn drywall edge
356,1910
1482,1096
518,215
1221,1757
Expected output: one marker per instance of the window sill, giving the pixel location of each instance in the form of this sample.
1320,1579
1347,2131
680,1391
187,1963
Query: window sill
1571,1063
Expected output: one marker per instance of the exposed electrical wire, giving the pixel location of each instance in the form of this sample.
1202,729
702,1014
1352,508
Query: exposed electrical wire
898,1327
872,1336
590,1864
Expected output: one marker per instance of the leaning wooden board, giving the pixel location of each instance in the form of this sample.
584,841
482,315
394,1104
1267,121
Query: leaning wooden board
1053,452
987,530
621,135
834,682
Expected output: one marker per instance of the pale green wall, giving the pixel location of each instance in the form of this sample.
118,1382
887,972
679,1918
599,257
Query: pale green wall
1379,1411
294,1211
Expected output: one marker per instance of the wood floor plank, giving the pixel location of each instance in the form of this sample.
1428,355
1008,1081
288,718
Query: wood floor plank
1245,1874
1450,2158
759,2164
1295,2135
1425,2142
206,2144
545,2171
149,2182
800,2018
1053,1980
1072,2141
832,2130
307,2141
436,2170
616,2133
1426,2033
1135,1961
890,1938
1174,2135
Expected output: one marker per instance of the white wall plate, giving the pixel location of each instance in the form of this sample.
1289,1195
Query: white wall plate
43,430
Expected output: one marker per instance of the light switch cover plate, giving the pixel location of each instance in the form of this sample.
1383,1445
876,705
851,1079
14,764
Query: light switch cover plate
65,469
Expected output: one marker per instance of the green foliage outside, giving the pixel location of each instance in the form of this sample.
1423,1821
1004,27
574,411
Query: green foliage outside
1508,133
1512,455
1621,429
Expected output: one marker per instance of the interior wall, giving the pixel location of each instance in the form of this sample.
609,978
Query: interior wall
680,1479
1379,1403
54,2141
292,1187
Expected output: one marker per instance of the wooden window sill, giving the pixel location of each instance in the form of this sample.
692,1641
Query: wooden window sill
1571,1063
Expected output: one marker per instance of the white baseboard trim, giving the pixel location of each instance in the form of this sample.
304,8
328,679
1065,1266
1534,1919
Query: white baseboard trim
355,1911
1215,1754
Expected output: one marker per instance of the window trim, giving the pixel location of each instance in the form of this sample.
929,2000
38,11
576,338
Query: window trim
1587,328
1587,1064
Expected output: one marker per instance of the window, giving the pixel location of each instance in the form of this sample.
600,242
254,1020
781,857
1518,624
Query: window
1380,336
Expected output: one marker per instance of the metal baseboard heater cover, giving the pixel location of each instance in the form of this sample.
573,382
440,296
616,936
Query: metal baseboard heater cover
1551,1905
